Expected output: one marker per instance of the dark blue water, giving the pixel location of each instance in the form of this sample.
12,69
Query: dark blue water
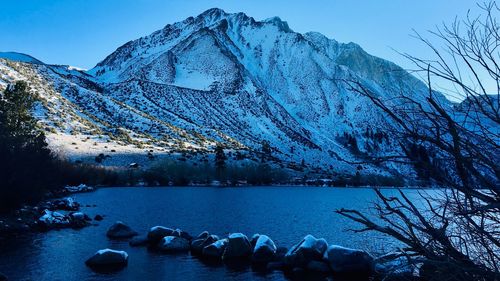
286,214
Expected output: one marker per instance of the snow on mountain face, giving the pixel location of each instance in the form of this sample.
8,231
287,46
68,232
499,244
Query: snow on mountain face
229,78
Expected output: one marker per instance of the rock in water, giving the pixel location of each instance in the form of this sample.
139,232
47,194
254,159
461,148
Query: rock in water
203,235
182,234
98,218
120,230
66,204
215,250
108,259
238,247
197,245
173,244
156,233
3,277
348,261
265,249
307,250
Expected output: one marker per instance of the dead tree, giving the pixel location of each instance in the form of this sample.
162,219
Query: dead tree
457,231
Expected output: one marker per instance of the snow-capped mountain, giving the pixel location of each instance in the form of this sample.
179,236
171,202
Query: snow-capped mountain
222,77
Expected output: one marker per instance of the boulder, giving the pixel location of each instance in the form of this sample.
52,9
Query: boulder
203,235
98,218
307,250
264,250
120,230
197,245
78,219
156,233
348,261
3,277
108,259
238,247
182,234
138,241
173,244
216,249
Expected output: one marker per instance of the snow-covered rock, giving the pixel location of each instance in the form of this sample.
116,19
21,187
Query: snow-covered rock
156,233
264,250
348,261
216,249
173,244
120,230
307,250
183,234
66,204
203,235
54,219
108,258
238,247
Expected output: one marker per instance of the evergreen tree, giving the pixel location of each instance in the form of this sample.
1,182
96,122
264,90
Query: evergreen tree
25,160
220,160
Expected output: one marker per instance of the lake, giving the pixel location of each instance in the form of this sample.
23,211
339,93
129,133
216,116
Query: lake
286,214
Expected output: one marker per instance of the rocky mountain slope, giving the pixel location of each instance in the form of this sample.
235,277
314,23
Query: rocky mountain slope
220,77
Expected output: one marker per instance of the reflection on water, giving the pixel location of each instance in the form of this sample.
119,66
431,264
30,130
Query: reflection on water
286,214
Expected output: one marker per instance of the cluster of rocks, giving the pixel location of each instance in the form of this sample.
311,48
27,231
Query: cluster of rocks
310,255
52,214
62,213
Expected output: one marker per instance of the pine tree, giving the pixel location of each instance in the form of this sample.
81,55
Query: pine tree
26,161
220,160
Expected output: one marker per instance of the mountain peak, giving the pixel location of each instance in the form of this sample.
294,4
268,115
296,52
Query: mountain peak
215,13
277,21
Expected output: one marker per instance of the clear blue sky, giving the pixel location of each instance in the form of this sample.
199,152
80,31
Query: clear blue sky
83,32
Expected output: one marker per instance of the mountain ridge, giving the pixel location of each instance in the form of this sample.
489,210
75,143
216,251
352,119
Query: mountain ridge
225,77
